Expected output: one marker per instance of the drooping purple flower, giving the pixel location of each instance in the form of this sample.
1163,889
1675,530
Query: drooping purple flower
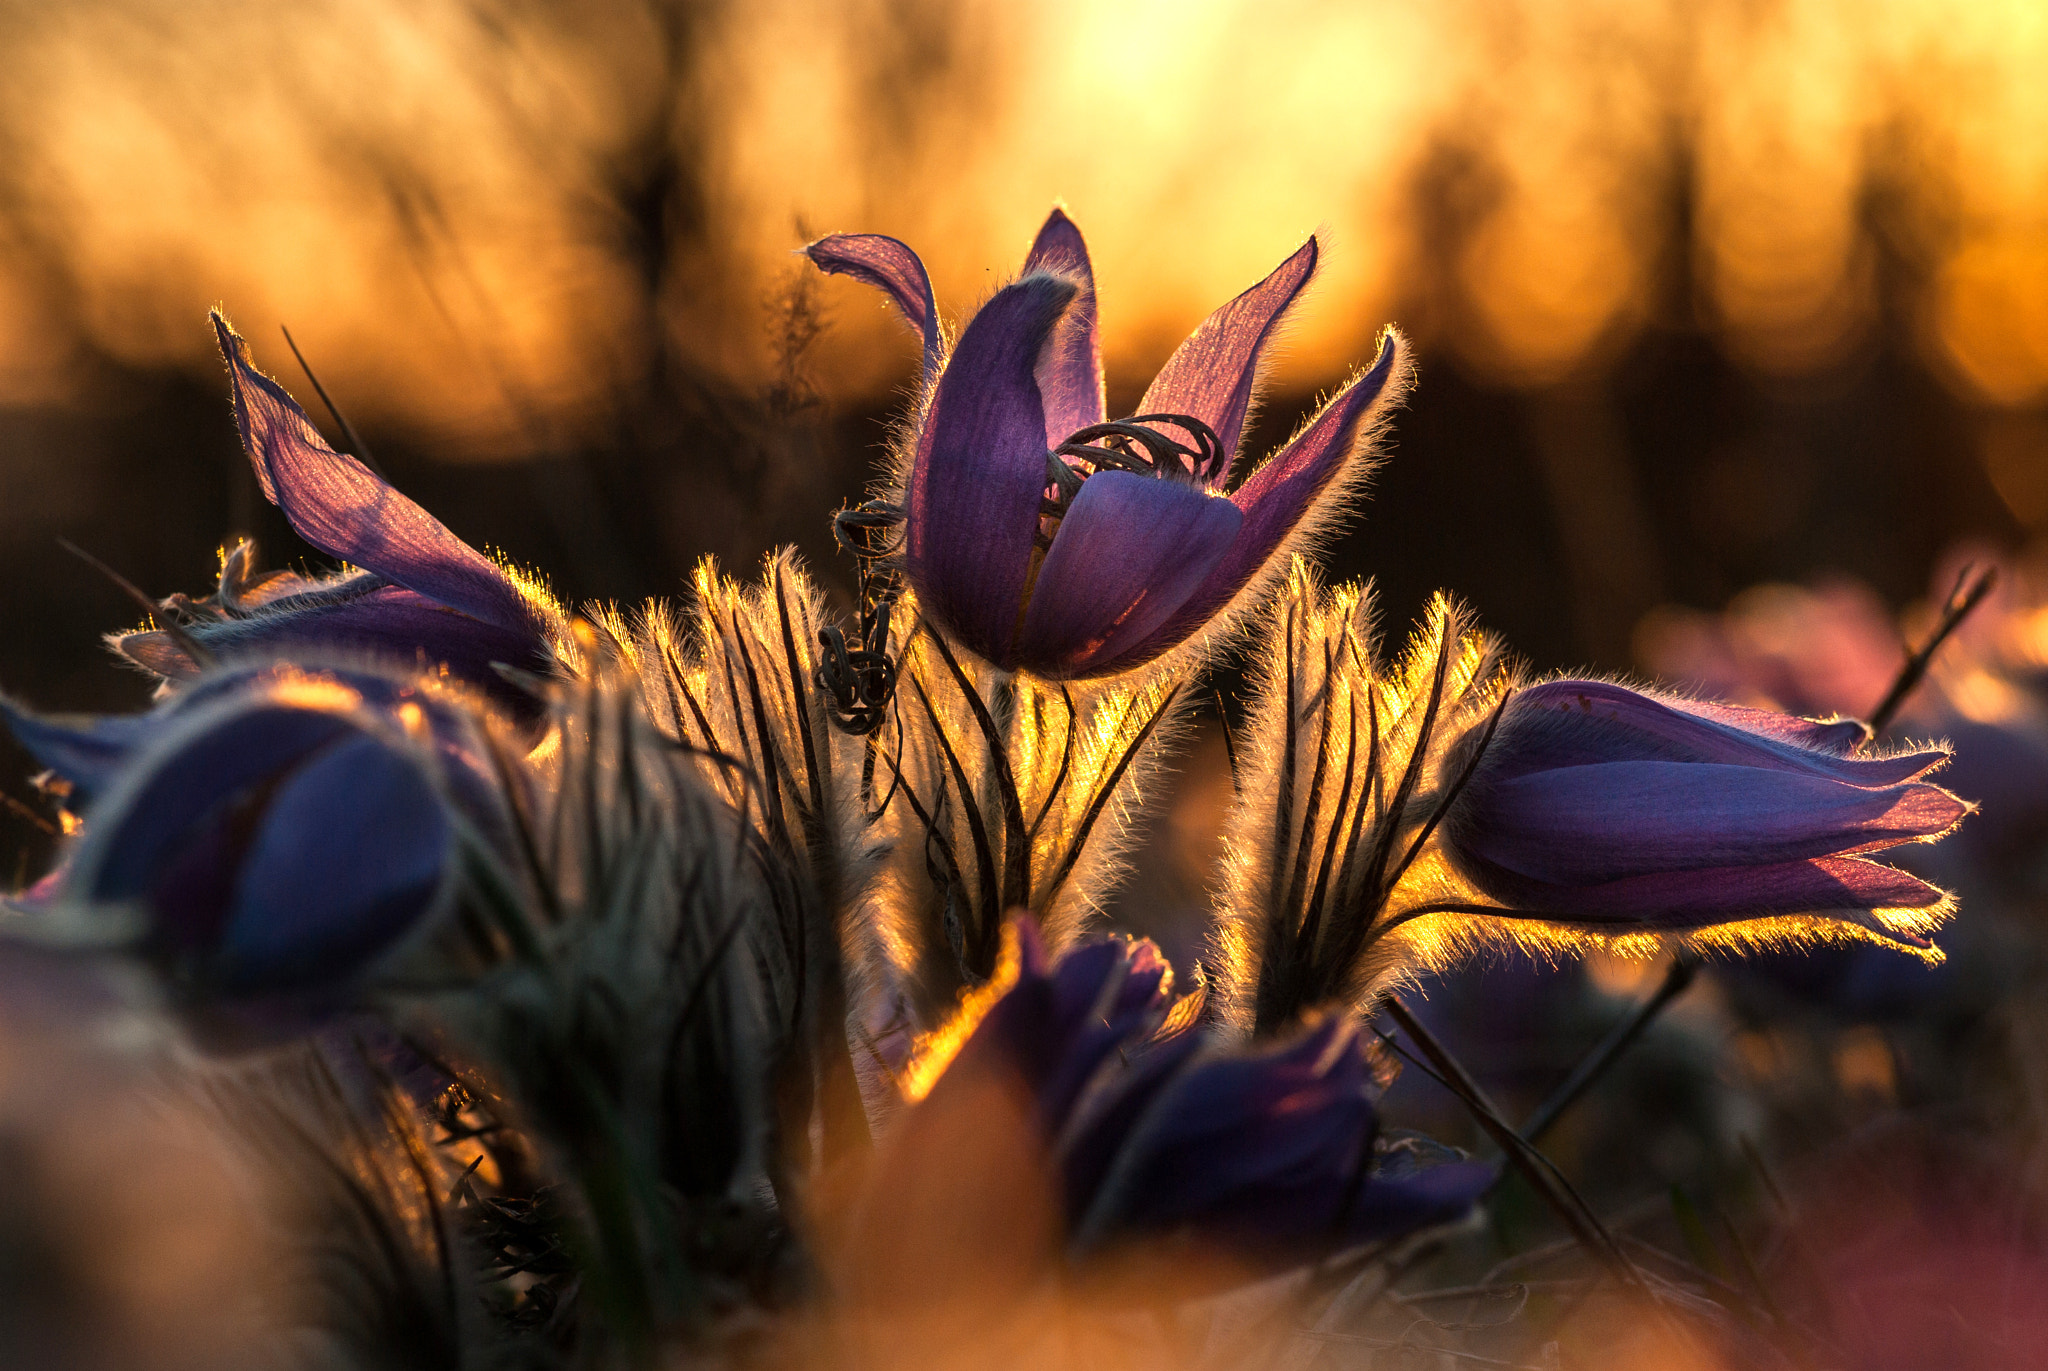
1617,810
1050,541
1147,1130
274,831
414,593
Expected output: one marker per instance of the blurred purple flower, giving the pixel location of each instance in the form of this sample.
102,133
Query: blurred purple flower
1264,1156
275,831
1600,806
1834,648
414,593
1050,541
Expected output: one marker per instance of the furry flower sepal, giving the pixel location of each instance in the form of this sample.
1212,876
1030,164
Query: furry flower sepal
1050,541
1617,810
1083,1116
413,592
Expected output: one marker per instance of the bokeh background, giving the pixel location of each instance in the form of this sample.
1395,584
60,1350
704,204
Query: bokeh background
1705,294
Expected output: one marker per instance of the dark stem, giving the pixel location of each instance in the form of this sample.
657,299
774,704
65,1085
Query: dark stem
1618,1040
1954,610
1536,1168
358,449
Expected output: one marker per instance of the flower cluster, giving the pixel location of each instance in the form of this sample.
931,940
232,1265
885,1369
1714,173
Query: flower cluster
730,954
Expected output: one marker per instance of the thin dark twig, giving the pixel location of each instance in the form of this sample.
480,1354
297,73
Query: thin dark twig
1016,889
1548,1182
1059,779
23,811
358,449
1229,743
150,608
1105,793
1618,1040
1954,610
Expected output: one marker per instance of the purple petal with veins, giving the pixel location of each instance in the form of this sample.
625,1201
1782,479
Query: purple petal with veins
1839,887
390,621
892,268
1214,375
1275,500
1569,723
1587,824
979,472
1070,376
343,508
1129,553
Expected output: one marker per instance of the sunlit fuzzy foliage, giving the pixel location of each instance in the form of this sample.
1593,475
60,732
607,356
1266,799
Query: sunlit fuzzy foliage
1001,792
645,1000
1342,783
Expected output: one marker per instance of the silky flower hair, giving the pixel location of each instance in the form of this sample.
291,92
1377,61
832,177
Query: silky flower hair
1003,793
1344,780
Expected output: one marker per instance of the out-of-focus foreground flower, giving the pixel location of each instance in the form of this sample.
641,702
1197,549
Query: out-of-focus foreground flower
266,836
1084,1118
413,593
1048,540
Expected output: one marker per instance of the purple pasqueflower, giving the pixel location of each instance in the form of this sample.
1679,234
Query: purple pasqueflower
413,593
1600,806
1137,1127
274,831
1050,541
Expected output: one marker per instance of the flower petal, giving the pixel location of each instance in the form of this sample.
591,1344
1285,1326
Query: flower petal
1277,498
308,908
979,473
1128,554
1573,723
395,623
1212,376
343,508
1070,377
1588,825
891,267
206,762
1846,888
390,622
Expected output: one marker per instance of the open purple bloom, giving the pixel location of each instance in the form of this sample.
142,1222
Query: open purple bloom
1264,1155
1049,540
274,831
414,593
1610,808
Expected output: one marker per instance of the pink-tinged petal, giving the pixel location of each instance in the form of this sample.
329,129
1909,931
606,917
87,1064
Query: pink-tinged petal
1070,377
343,508
1837,736
1845,887
1128,554
1212,376
892,268
979,473
1275,500
1579,723
1587,825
